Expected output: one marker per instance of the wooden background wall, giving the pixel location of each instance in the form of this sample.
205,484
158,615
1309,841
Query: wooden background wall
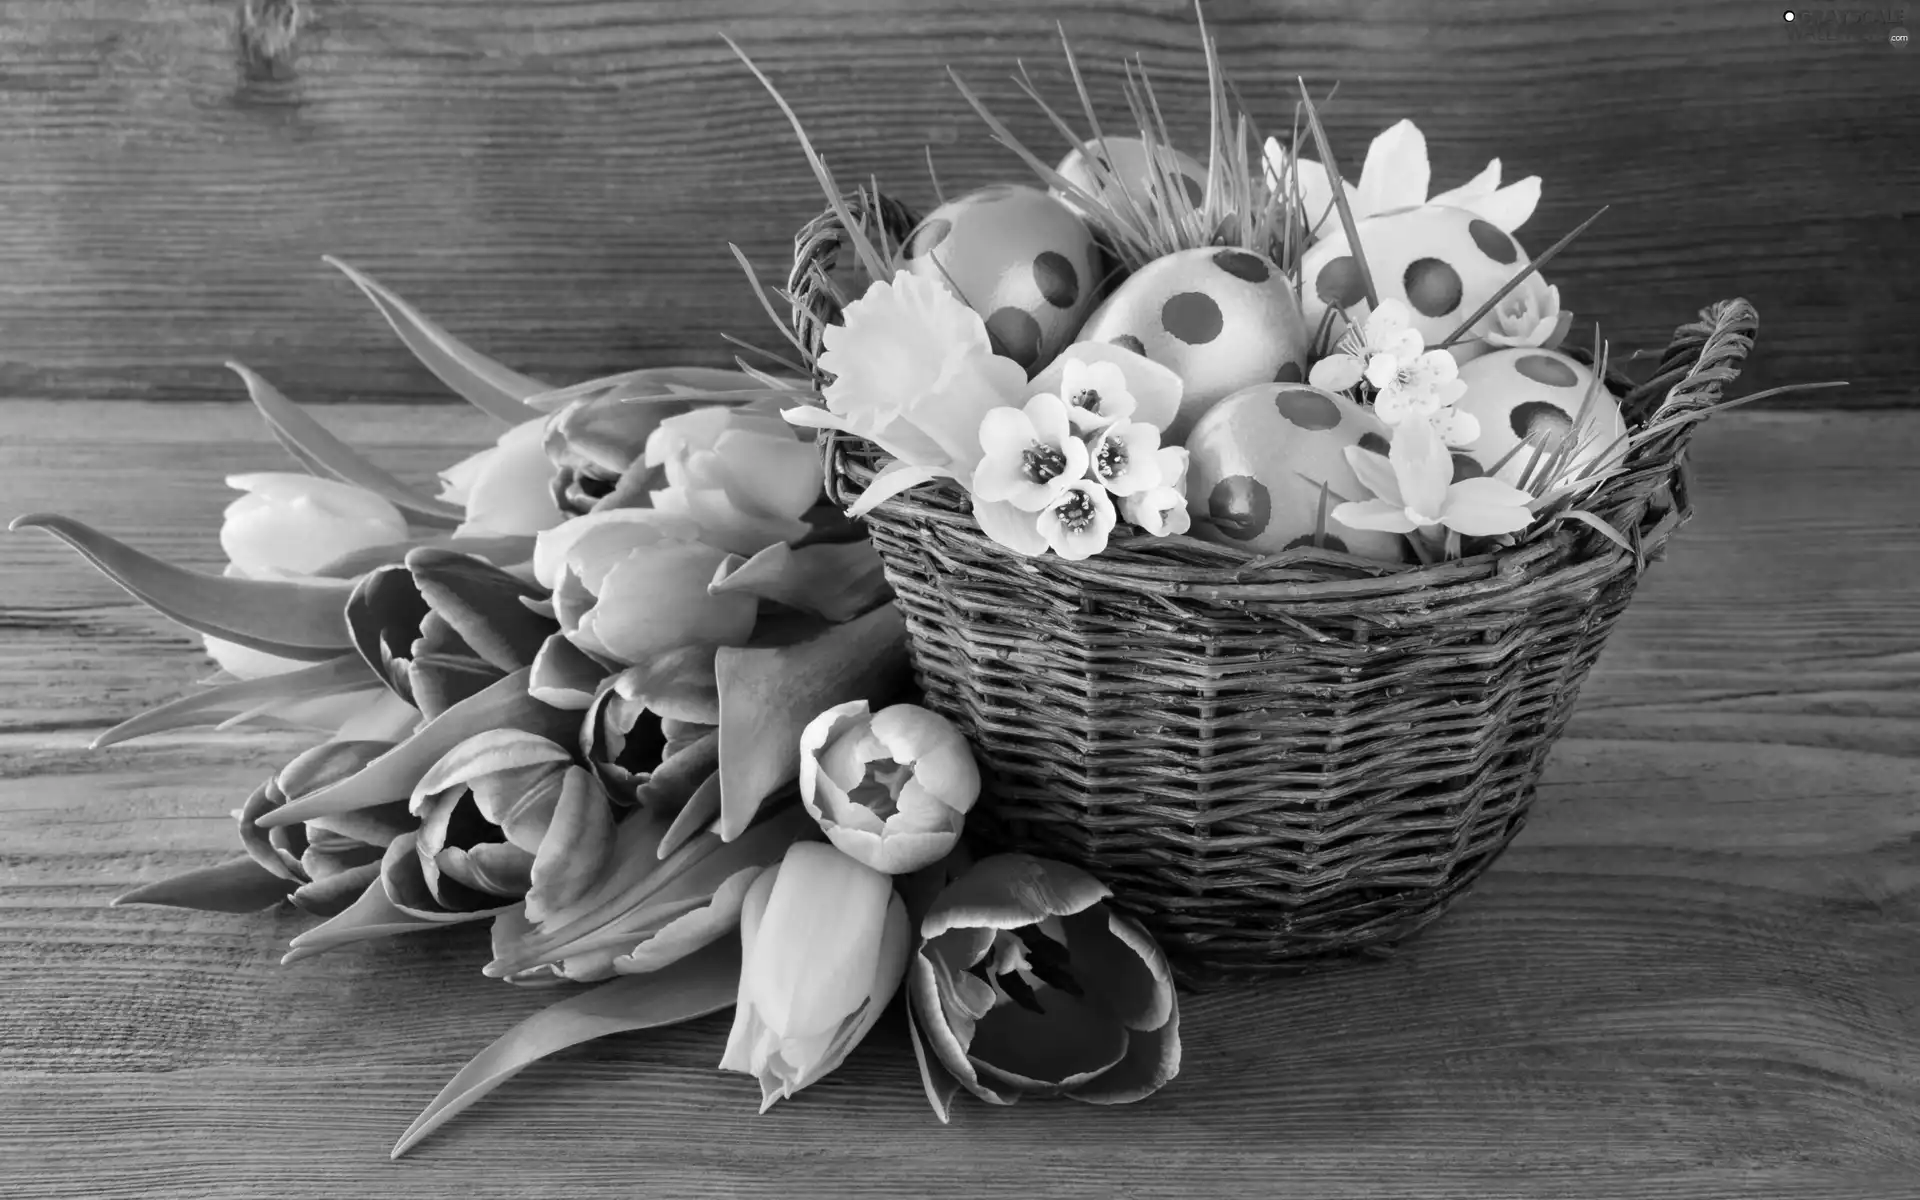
556,179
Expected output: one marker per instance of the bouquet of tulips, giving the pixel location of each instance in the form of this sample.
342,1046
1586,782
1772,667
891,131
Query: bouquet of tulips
627,690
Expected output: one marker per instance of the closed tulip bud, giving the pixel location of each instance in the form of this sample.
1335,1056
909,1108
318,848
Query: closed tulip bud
294,524
824,945
1026,984
742,475
333,859
506,815
631,584
506,489
892,788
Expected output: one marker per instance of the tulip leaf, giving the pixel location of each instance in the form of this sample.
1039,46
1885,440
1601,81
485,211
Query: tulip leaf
719,385
215,704
292,619
702,983
373,915
502,550
336,893
489,386
482,604
836,581
239,885
326,455
503,705
696,816
769,693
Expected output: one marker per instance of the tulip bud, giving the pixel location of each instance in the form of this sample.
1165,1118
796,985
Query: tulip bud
1026,984
742,475
333,859
507,489
891,788
288,523
505,815
824,944
631,584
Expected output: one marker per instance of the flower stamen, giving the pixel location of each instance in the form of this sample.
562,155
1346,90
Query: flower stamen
1042,462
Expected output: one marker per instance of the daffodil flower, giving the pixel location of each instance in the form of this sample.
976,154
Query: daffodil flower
1530,316
1415,493
1161,510
1396,175
1077,525
1125,457
1031,455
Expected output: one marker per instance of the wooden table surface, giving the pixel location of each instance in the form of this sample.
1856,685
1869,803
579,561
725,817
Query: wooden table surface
1695,974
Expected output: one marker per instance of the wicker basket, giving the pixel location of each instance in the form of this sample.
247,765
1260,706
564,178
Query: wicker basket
1277,763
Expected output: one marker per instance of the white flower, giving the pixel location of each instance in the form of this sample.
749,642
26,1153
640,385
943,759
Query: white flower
914,372
1387,330
1030,454
507,489
891,788
1417,386
1125,458
1101,381
739,474
1013,527
1077,525
1162,510
1529,316
1415,493
1396,175
1095,393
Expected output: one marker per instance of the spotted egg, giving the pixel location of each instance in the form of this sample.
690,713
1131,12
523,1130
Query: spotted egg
1256,463
1220,318
1130,176
1020,258
1529,397
1443,262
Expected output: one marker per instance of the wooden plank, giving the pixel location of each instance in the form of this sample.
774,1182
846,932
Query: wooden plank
1692,975
558,181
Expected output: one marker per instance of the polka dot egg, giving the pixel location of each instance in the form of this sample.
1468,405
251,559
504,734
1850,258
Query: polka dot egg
1020,258
1128,164
1222,319
1257,461
1443,262
1530,397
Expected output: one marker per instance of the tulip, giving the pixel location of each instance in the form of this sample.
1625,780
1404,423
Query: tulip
823,948
504,815
890,789
331,859
742,475
643,757
1026,984
294,524
594,440
506,489
631,584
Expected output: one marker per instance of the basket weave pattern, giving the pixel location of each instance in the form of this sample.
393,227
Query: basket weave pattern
1270,761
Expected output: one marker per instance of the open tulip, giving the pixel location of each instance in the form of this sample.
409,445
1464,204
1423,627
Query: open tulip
891,789
1026,984
330,859
742,475
507,488
290,524
824,944
506,814
631,584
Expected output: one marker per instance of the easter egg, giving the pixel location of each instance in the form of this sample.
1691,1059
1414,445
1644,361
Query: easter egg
1220,318
1443,262
1020,258
1530,397
1256,463
1131,177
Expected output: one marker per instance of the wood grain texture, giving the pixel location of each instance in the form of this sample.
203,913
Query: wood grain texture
557,181
1693,975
